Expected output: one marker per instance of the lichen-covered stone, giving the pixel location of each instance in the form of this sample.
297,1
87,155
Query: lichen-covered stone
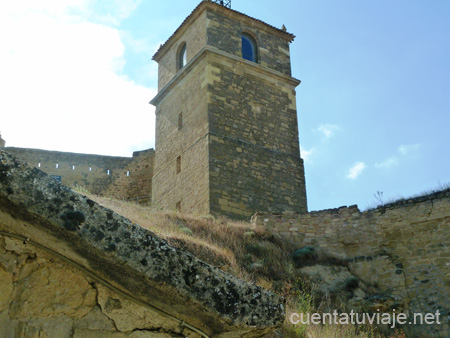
115,250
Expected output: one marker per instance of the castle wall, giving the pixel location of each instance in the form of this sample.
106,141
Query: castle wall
135,183
401,249
122,177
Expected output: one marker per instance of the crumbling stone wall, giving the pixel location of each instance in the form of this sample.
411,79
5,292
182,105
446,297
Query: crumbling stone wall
401,249
121,177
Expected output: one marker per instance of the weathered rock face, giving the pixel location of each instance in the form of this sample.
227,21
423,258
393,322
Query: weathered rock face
42,296
68,264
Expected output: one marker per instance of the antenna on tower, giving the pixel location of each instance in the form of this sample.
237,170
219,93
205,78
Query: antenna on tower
225,3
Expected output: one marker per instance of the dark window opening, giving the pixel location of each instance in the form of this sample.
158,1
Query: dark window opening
249,48
180,121
178,164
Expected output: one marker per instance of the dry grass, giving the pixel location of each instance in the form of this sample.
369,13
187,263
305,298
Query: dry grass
248,252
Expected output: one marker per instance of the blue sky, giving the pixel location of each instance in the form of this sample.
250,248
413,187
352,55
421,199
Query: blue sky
373,105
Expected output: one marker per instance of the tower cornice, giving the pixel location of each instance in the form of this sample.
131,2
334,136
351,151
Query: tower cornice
251,66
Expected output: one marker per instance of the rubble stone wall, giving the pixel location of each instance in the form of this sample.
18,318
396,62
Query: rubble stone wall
401,249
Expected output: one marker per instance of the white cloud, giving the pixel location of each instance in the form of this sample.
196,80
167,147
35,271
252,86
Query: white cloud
356,170
408,149
61,81
328,130
388,163
306,154
404,151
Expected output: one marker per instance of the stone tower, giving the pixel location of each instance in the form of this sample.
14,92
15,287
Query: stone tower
226,119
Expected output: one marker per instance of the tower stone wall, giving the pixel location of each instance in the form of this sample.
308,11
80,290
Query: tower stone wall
236,150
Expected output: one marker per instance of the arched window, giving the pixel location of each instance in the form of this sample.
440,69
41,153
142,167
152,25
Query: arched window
249,48
182,57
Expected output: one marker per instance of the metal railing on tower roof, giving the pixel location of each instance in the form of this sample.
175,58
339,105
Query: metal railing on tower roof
225,3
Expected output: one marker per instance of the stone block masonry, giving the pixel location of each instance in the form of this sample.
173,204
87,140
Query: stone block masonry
273,51
260,180
255,163
121,177
401,249
240,115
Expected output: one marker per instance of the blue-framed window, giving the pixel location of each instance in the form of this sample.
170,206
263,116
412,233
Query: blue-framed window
249,51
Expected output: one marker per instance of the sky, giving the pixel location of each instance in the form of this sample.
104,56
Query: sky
373,105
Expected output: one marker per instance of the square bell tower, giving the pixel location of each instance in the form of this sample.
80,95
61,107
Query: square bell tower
226,118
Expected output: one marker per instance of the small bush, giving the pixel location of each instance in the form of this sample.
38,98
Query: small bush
351,284
304,256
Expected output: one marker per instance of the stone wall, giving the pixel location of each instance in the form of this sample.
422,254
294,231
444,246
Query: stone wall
122,177
254,154
135,183
219,27
272,49
245,111
194,36
181,162
401,249
247,178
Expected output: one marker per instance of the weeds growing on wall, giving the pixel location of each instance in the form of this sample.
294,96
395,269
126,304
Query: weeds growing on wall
379,200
